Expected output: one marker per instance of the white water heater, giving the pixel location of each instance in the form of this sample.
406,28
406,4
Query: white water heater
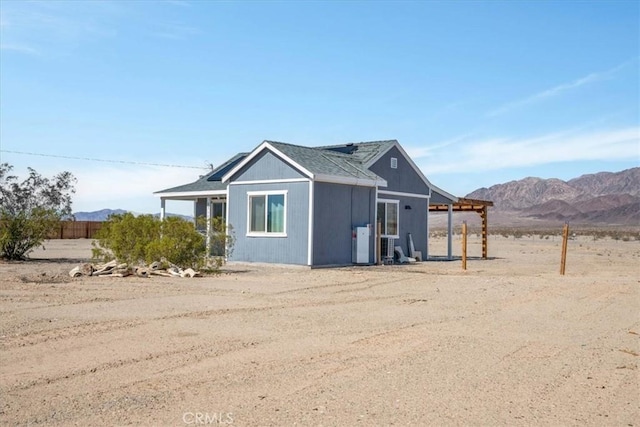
360,248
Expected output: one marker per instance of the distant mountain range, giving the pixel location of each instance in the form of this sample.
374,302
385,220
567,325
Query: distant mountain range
600,199
103,214
604,198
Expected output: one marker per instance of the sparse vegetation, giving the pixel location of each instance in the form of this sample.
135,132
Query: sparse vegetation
145,239
625,234
31,209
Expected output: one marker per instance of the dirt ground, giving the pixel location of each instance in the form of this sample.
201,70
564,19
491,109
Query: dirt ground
509,341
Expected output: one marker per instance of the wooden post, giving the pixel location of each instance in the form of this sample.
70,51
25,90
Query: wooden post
565,238
483,216
379,242
464,245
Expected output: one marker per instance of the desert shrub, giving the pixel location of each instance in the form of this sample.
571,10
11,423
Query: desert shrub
30,210
145,239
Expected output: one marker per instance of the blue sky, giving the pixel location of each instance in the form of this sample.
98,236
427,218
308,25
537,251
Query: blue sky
478,93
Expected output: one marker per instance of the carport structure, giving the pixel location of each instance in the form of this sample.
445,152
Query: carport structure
461,204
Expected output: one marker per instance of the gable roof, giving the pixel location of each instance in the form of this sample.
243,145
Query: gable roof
343,163
366,152
316,164
370,152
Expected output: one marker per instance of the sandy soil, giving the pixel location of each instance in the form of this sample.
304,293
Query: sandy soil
507,342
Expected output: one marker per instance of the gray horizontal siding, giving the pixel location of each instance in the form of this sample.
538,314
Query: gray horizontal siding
437,198
266,166
412,221
404,178
337,209
292,249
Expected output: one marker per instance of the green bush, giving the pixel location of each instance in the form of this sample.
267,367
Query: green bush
30,210
145,239
21,232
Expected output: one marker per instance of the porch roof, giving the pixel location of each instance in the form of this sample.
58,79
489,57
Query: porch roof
209,184
461,204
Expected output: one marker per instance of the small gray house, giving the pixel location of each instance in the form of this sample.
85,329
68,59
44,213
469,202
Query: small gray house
317,206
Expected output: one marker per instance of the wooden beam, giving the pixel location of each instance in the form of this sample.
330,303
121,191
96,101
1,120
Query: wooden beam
469,205
464,245
483,216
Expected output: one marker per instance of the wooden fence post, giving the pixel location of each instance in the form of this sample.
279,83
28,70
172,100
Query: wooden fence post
464,245
565,238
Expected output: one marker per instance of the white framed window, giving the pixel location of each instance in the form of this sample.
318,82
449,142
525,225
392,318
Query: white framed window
267,213
394,163
388,211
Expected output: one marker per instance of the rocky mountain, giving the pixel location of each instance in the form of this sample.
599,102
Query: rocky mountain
604,198
100,215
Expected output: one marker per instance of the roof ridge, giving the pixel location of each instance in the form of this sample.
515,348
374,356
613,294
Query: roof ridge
358,143
350,161
335,153
284,143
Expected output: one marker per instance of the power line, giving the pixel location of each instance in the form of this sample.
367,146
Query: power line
103,160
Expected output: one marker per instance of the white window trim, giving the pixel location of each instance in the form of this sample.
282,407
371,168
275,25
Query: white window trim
265,233
384,220
394,163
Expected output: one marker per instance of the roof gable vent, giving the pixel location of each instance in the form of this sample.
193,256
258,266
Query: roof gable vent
394,163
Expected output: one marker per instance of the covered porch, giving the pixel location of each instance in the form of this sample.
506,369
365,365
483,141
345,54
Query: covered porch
208,205
447,203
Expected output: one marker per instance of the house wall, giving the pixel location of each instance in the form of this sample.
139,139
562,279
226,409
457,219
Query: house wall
266,166
437,198
412,221
337,209
404,178
293,248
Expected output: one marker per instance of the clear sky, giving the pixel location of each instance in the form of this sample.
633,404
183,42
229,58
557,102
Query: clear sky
477,92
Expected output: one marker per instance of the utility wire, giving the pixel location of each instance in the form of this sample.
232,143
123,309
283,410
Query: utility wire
103,160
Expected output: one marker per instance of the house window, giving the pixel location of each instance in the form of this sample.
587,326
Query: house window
388,216
267,213
394,163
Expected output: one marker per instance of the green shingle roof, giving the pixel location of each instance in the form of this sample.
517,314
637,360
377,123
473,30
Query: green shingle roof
343,161
365,152
346,160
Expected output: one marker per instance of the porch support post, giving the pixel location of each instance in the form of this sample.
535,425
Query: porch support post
208,226
426,254
450,232
163,203
483,215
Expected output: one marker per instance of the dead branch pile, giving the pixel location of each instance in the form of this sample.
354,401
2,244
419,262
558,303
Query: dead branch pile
113,269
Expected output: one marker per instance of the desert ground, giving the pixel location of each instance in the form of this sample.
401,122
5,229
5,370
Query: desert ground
509,341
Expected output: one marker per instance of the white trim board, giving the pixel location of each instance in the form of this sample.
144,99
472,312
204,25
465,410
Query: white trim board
188,194
265,146
270,181
402,194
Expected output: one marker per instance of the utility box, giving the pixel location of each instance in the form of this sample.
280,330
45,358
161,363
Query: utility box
360,245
